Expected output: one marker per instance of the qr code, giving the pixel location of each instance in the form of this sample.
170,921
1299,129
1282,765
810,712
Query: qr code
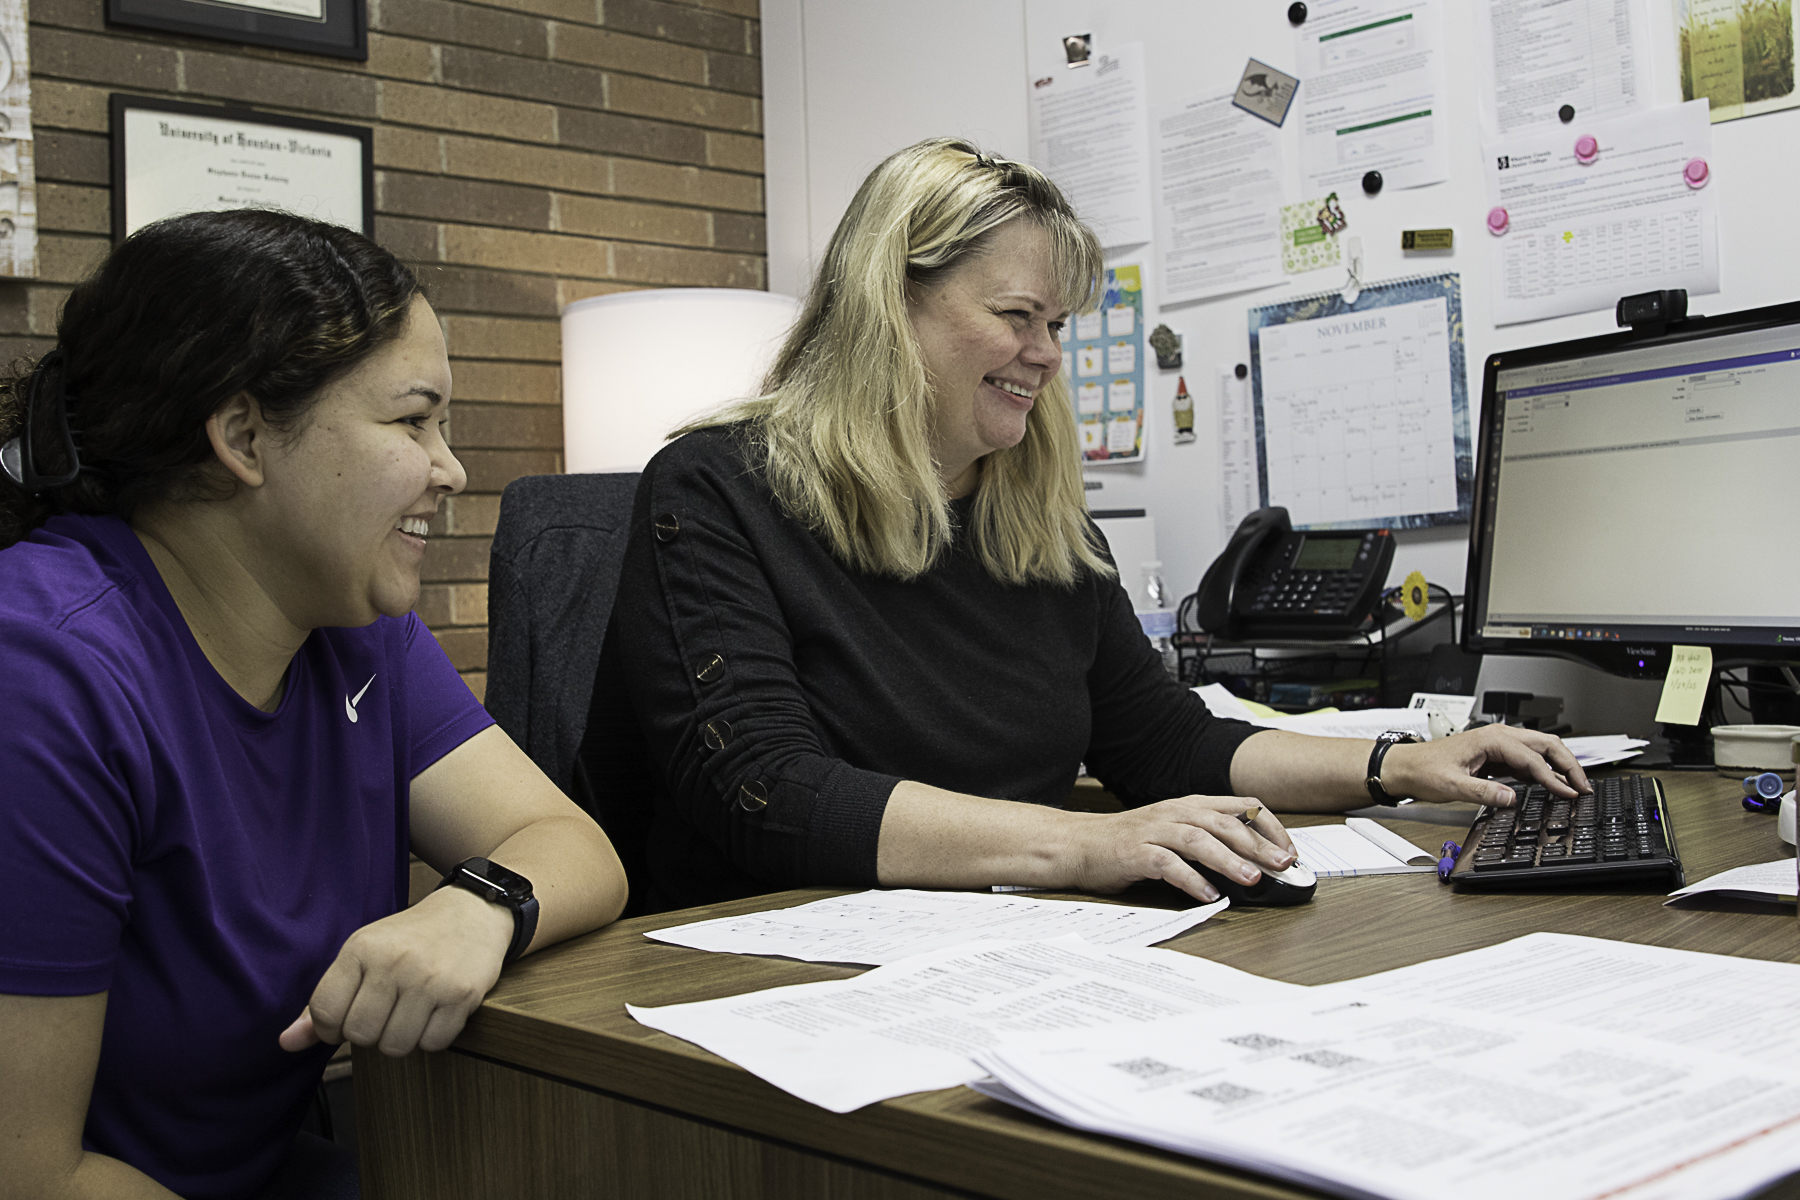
1144,1068
1327,1058
1226,1093
1258,1041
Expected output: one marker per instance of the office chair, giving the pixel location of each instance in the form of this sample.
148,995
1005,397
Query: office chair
552,575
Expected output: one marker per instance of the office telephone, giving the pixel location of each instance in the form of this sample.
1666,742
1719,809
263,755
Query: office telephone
1276,581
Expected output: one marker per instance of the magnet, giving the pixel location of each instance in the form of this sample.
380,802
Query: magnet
1331,216
1296,13
1566,113
1371,182
1498,222
1587,149
1696,173
1240,370
1427,239
1167,344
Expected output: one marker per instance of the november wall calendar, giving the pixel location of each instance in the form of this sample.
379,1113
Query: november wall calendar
1362,407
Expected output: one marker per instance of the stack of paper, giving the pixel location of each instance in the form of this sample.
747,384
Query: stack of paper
1606,748
1553,1066
1327,722
914,1025
1372,1097
1773,881
878,927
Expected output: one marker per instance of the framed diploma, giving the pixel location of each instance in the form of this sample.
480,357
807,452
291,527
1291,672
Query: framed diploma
339,28
171,158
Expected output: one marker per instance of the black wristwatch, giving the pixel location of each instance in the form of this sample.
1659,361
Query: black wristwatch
509,889
1383,742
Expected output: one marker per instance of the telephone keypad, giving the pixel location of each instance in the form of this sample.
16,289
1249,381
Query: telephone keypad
1290,591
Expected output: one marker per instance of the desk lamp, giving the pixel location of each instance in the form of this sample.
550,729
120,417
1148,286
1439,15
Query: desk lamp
638,364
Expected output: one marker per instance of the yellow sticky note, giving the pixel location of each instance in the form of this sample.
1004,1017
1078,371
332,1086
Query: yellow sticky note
1684,690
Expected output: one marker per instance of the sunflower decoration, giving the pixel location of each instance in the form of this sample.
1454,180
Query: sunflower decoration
1414,595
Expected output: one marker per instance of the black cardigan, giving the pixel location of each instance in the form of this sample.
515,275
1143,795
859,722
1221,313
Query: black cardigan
783,695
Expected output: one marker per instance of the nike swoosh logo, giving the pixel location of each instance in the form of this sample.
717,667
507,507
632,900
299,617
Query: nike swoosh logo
350,704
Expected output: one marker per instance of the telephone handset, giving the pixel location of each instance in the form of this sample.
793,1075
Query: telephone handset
1276,581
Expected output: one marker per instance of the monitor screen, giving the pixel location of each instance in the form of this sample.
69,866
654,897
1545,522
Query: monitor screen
1637,492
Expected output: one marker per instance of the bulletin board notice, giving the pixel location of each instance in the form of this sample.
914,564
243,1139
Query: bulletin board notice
1104,363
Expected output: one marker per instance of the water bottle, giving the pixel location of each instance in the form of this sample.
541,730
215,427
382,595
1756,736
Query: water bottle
1155,616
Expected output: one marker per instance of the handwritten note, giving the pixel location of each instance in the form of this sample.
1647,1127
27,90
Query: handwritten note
1684,690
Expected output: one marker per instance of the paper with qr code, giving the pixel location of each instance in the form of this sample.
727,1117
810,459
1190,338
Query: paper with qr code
913,1025
1365,1096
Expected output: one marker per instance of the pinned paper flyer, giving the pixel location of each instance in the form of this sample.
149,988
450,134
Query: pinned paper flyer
1089,398
1684,689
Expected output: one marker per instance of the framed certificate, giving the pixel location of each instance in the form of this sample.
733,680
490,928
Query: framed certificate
339,28
171,158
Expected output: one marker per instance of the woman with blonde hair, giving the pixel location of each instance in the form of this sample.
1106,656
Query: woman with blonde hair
865,614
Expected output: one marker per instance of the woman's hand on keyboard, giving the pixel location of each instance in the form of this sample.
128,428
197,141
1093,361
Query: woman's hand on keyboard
1452,768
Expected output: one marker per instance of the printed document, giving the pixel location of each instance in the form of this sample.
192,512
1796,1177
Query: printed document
1362,1096
1759,881
1358,416
1677,997
1581,236
1372,94
1218,200
878,927
1237,449
913,1025
1090,133
1537,55
1326,722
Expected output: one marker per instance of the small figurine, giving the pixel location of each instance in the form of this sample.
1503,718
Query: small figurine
1167,344
1184,412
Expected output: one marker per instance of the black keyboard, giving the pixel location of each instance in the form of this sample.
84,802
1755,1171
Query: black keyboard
1620,833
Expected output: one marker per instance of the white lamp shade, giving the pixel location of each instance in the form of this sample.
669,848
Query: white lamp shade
638,364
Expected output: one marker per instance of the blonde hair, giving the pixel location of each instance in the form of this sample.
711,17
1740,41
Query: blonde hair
845,419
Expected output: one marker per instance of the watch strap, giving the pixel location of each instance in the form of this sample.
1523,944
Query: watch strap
1383,743
470,876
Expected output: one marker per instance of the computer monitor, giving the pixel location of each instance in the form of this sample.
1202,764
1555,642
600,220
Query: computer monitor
1637,491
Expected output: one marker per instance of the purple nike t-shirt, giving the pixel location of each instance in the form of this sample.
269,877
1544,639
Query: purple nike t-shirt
200,860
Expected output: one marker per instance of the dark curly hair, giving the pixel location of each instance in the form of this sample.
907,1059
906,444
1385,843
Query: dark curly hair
182,316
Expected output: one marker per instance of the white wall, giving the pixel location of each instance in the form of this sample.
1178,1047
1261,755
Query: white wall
849,81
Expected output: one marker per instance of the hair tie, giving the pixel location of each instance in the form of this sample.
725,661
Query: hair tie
18,457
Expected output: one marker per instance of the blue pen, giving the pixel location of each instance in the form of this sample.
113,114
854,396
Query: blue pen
1451,852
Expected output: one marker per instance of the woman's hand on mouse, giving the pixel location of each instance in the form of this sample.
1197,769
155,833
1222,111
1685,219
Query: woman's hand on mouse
1109,853
1451,768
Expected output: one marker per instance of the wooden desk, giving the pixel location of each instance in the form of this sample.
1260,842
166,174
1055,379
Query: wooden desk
553,1091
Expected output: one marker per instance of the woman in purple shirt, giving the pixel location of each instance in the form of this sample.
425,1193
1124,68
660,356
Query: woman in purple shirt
222,728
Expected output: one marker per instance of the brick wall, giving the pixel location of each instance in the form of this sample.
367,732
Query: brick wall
527,153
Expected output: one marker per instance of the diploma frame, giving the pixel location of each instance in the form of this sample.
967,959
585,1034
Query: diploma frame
341,32
121,103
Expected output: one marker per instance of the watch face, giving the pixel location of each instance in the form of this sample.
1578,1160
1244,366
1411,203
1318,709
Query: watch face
510,885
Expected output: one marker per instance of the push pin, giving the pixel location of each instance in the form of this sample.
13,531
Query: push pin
1498,221
1696,173
1371,182
1587,149
1566,113
1296,13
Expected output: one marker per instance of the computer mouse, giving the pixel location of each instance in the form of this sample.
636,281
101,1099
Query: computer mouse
1295,885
